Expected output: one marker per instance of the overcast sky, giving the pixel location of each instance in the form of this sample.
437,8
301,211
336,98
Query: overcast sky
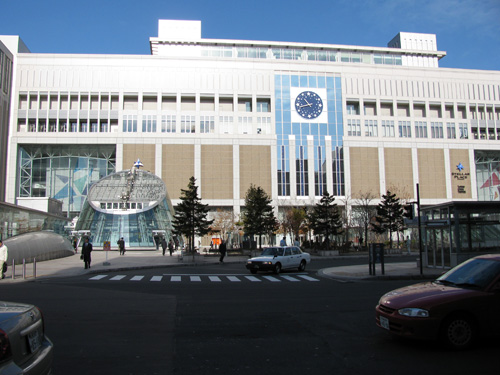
468,30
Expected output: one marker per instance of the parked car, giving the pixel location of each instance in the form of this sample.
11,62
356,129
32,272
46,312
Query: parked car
459,307
278,258
24,348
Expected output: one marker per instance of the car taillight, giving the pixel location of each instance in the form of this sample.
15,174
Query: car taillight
5,352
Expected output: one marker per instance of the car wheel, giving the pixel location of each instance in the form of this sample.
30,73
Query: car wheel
277,268
459,331
253,271
302,266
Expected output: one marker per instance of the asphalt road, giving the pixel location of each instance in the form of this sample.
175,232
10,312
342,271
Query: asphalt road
185,321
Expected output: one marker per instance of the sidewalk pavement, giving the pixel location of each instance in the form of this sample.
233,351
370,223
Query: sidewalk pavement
109,261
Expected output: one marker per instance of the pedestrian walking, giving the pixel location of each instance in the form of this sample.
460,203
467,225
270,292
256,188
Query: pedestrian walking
170,247
283,242
4,254
157,241
222,251
86,250
121,245
164,245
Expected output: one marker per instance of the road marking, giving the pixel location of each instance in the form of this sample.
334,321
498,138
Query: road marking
117,277
290,278
137,278
308,278
98,277
272,279
175,278
233,279
215,279
156,278
195,278
253,278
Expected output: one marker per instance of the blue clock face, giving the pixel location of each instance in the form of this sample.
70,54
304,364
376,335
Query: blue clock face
309,105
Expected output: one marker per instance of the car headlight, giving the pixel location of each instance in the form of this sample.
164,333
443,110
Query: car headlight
414,312
267,262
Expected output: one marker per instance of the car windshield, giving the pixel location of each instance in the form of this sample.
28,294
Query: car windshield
472,273
273,251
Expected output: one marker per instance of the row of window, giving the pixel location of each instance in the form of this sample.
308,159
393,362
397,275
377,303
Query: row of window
150,102
187,124
300,54
121,206
404,109
404,129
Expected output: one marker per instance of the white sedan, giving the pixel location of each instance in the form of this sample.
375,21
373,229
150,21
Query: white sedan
279,258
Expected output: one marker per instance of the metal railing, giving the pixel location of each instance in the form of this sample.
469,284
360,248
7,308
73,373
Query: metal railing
24,269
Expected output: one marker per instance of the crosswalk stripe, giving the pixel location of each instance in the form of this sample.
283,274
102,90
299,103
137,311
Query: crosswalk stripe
271,278
290,278
98,277
253,278
212,278
308,278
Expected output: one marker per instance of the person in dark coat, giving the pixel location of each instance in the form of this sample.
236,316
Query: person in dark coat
222,251
164,245
86,250
121,246
170,247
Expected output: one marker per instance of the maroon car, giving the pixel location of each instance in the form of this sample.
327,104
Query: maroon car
458,307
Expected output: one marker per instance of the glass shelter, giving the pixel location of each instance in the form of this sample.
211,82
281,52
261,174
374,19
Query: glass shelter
130,204
456,231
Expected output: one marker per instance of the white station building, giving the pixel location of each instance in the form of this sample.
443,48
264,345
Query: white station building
296,119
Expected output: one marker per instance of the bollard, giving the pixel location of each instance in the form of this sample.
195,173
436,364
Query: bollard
24,268
34,268
13,269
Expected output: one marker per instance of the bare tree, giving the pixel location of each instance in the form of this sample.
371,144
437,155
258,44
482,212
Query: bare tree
365,211
224,222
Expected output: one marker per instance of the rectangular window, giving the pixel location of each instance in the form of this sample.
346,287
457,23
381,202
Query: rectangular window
263,125
94,126
464,133
245,104
404,129
207,124
149,124
388,128
73,126
450,130
437,130
42,125
83,126
129,123
168,124
245,124
63,126
188,124
371,128
263,105
420,129
52,126
32,126
103,127
354,128
226,124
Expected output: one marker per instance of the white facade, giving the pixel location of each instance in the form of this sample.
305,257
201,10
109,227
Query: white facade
391,118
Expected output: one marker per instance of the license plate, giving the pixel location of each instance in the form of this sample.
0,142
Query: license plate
384,322
34,341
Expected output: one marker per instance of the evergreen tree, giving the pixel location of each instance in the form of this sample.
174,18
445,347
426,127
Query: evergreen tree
190,217
389,216
258,215
324,218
